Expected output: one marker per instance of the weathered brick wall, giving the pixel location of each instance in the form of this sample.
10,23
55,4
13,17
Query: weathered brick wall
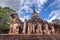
29,37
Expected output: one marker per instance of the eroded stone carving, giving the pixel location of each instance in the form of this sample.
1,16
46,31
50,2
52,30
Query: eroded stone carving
14,26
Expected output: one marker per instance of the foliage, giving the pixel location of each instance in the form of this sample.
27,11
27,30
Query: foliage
5,19
56,21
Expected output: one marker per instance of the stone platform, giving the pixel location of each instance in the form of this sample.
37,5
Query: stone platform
28,37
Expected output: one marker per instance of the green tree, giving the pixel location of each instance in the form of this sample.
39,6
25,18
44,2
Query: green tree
56,21
5,19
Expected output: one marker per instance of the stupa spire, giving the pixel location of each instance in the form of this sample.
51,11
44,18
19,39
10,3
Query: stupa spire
35,15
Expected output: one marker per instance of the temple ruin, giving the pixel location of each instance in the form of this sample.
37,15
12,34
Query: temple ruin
35,25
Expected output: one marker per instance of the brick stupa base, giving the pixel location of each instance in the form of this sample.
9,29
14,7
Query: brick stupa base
28,37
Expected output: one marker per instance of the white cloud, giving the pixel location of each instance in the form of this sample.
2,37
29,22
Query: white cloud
25,4
2,3
13,4
55,3
55,12
25,7
58,17
41,2
25,17
50,20
20,5
54,15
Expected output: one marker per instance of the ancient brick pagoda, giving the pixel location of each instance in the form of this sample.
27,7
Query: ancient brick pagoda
32,29
35,25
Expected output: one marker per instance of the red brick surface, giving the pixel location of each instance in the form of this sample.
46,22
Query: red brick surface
29,37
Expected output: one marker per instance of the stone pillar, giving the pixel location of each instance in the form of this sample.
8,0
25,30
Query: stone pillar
39,29
29,28
53,30
33,28
47,31
24,27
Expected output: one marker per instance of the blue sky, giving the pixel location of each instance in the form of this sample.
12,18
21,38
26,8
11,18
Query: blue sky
46,9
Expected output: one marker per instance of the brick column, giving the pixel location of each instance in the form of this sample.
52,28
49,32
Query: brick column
24,27
29,28
47,31
39,29
33,28
53,30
